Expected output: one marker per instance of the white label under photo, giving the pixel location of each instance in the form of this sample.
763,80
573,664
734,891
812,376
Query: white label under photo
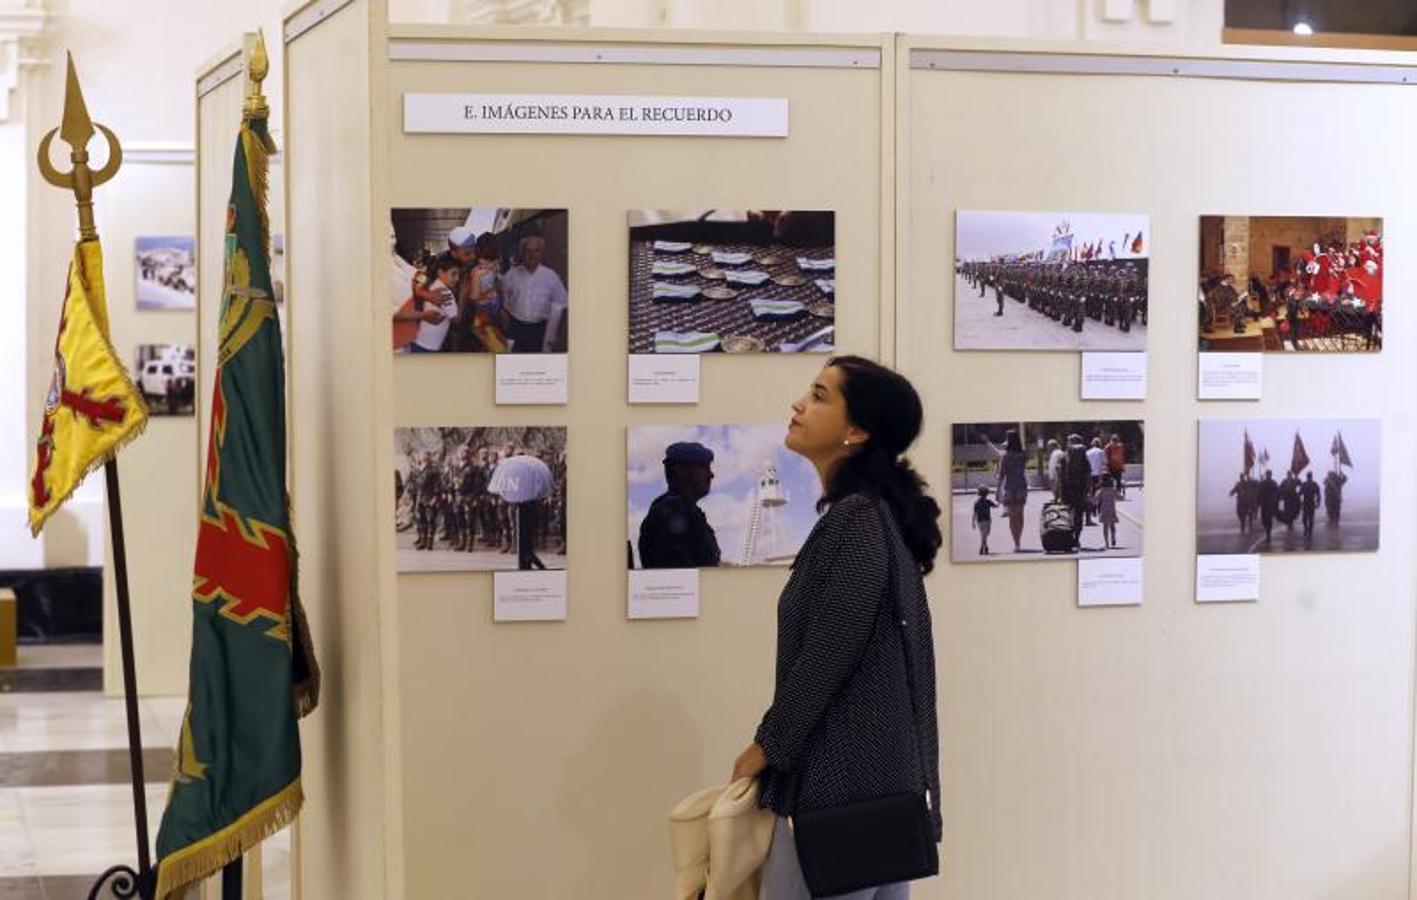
1114,376
664,378
594,114
664,594
1228,578
529,596
1230,376
532,378
1110,582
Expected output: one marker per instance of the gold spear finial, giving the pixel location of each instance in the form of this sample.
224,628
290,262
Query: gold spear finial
258,66
76,131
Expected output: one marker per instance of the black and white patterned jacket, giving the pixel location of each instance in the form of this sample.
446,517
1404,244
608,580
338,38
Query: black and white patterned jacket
841,728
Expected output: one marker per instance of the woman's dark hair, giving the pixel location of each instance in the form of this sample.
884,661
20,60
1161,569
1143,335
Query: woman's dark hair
1012,441
884,404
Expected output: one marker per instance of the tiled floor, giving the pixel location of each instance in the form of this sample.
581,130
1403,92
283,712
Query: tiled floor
65,798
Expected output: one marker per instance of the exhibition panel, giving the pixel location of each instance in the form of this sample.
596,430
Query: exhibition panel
671,241
1171,750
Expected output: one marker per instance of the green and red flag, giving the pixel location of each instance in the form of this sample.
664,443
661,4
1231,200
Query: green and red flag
252,672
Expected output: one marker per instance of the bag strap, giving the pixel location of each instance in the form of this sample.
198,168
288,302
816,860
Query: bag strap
887,524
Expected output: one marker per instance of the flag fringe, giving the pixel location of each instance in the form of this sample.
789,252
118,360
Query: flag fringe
258,177
209,855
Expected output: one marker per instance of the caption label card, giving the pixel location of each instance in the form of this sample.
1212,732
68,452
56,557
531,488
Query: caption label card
1231,376
532,378
529,596
1110,582
1227,579
1114,376
664,594
594,114
664,378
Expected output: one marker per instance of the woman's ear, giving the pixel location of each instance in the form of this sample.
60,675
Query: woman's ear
856,436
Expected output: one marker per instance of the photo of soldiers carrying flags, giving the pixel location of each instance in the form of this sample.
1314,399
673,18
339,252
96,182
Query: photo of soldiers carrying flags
480,499
1051,281
1274,507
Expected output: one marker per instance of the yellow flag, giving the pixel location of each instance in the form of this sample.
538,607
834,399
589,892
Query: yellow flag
92,407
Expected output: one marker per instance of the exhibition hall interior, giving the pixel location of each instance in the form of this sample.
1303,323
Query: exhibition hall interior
708,450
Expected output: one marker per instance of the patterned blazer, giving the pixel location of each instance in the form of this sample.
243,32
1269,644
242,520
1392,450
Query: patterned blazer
841,728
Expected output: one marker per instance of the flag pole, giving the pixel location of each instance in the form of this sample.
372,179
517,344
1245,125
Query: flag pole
76,131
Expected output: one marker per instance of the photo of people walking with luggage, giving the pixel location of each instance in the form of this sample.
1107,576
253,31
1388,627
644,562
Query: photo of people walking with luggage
1287,485
1051,281
1046,490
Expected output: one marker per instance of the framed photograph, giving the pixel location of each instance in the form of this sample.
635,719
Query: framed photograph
703,496
480,499
166,270
480,280
1028,491
1286,284
1288,486
166,374
1051,281
732,281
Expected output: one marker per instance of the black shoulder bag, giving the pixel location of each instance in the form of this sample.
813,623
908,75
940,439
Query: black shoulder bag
878,841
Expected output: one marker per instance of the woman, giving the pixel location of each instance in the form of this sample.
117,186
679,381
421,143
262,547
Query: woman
1013,481
845,725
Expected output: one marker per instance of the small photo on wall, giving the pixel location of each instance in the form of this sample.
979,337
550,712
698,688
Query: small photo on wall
166,270
480,499
167,376
1051,280
1287,284
1028,491
702,496
485,279
732,281
1288,486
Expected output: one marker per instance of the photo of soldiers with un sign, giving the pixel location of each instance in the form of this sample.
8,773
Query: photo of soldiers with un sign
1026,491
1286,284
1051,281
1288,486
702,496
479,499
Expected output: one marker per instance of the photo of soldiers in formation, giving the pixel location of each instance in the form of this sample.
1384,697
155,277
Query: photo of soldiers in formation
1285,500
1291,284
1043,490
1051,281
479,499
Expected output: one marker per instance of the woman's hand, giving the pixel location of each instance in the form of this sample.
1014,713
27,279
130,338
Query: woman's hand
749,763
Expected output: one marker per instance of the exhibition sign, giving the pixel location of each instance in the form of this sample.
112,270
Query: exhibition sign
448,113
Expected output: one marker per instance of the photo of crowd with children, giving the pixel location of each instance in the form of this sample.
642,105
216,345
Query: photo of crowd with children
479,280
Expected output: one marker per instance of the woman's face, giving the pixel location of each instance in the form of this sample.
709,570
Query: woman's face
819,429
